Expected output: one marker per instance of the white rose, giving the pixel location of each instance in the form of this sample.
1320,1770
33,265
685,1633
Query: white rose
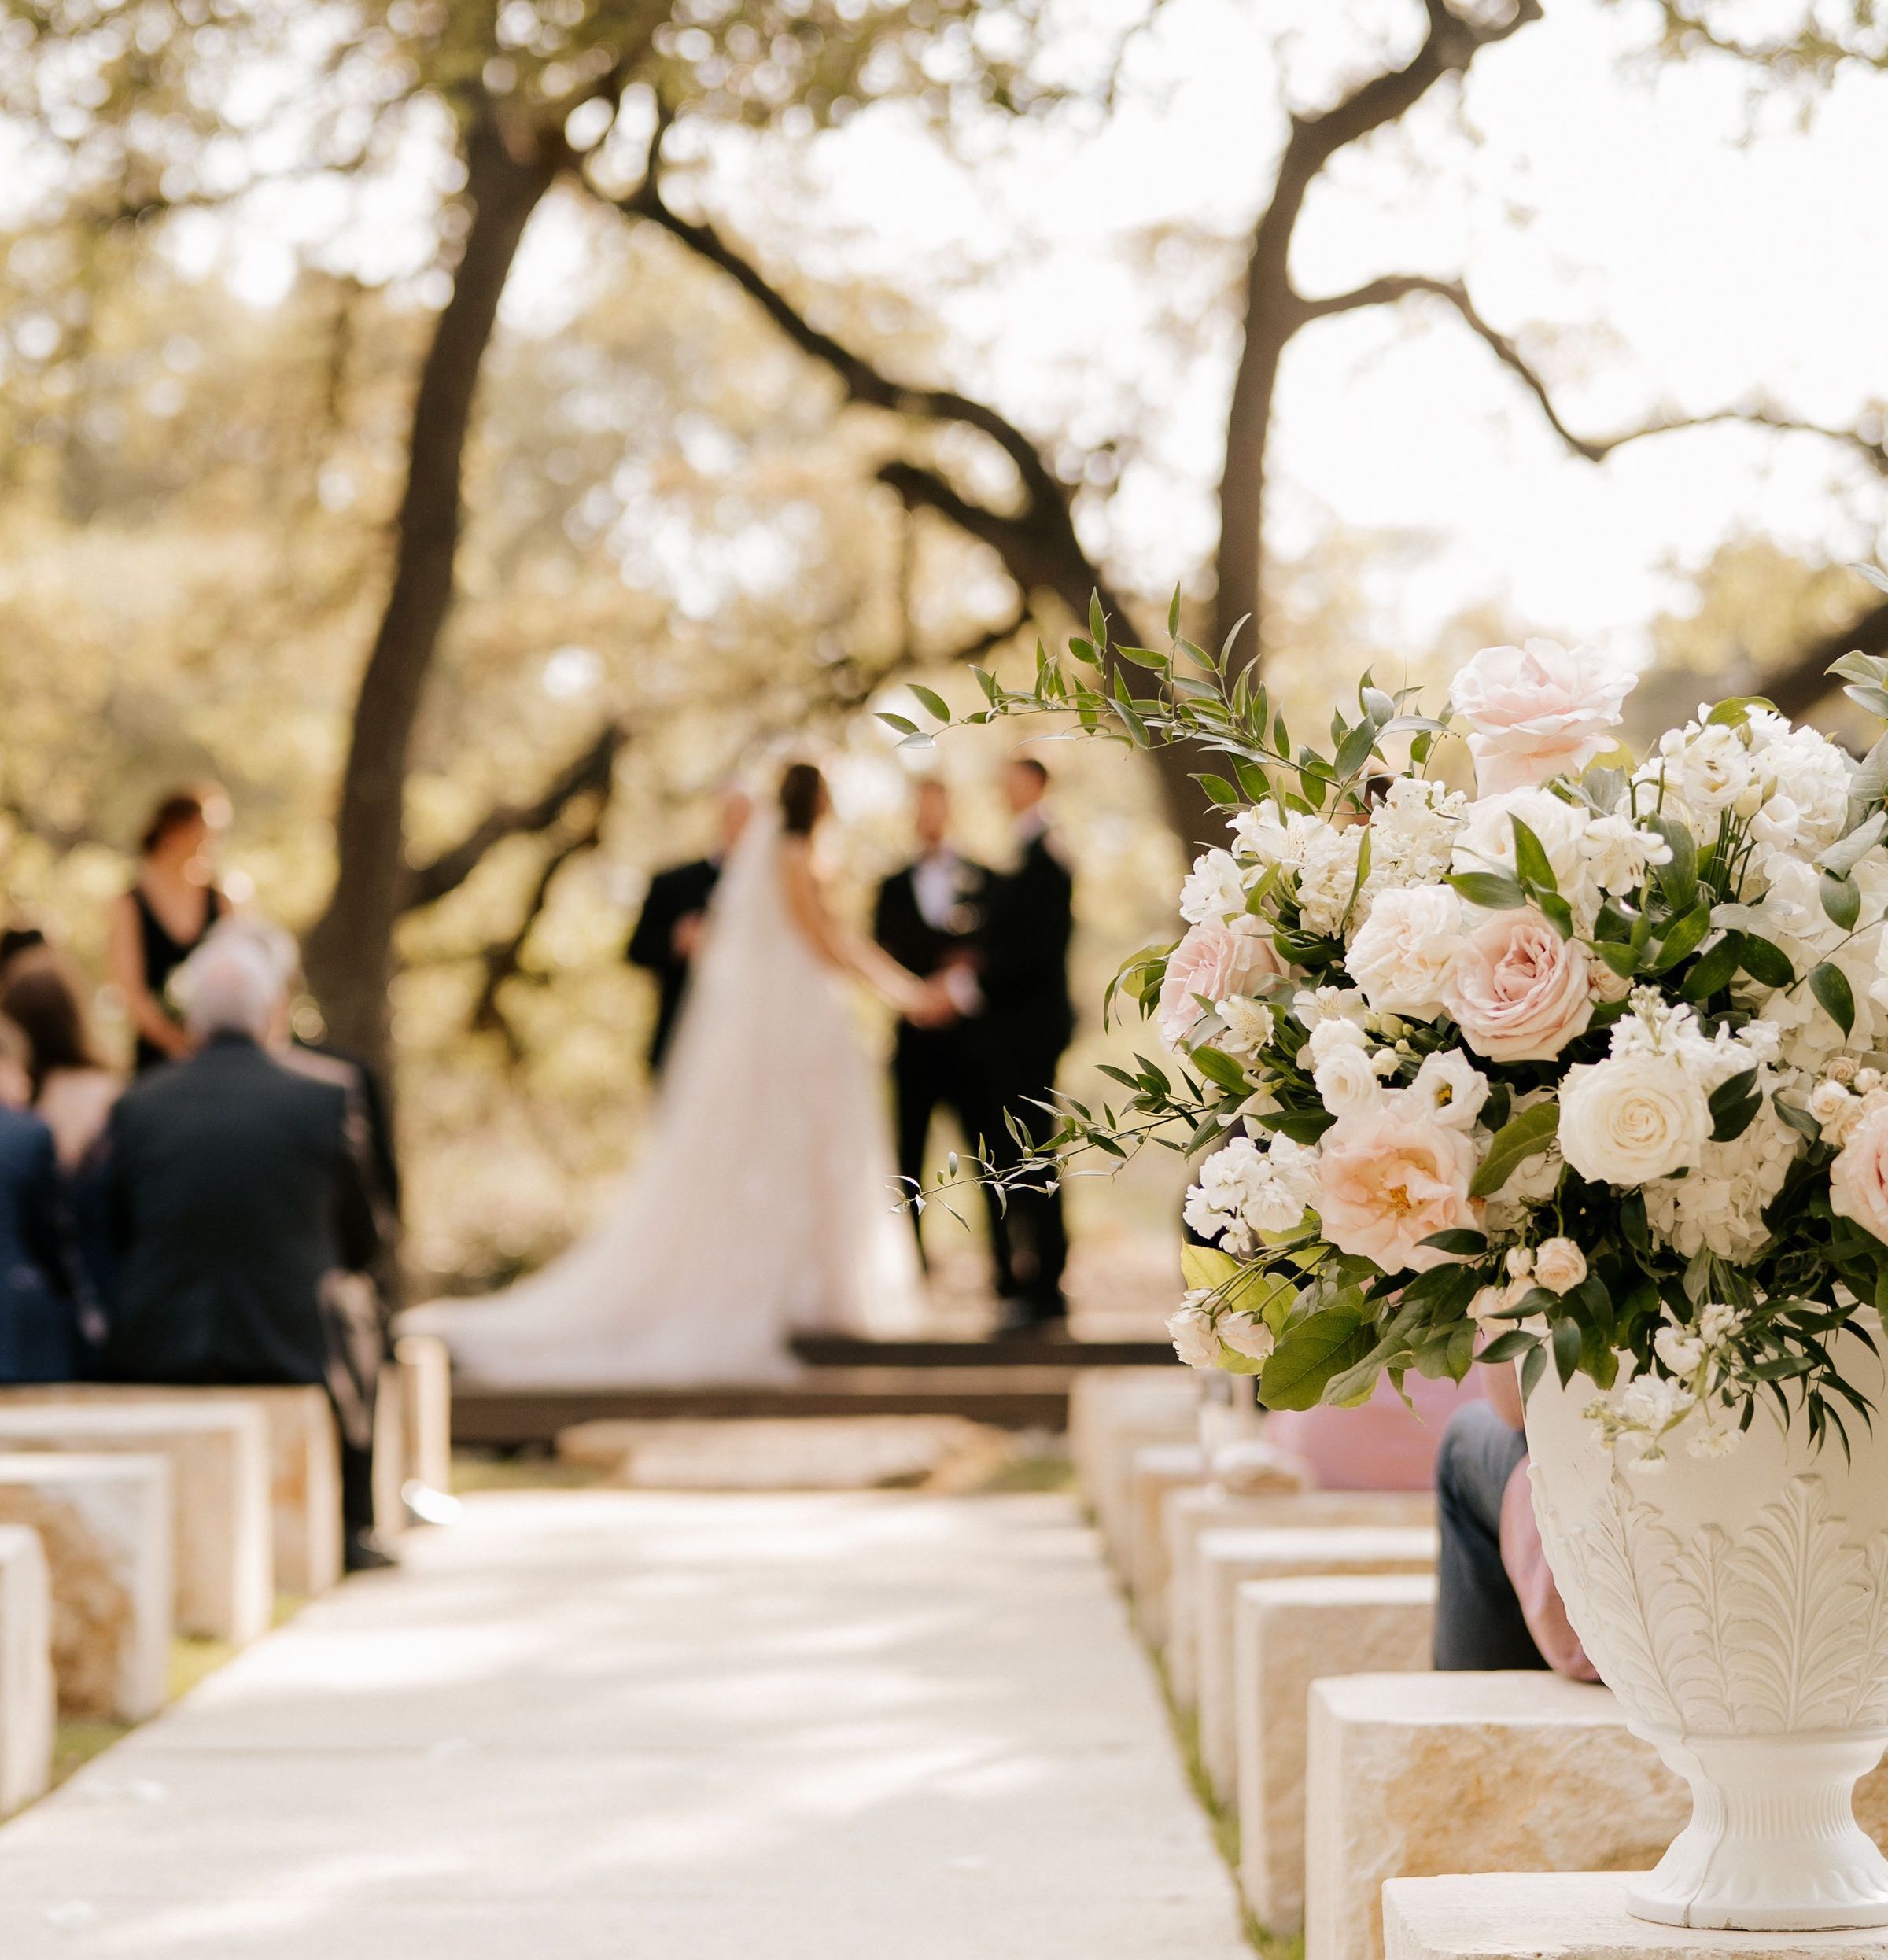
1836,1109
1632,1118
1332,1035
1402,954
1194,1340
1559,1264
1246,1336
1347,1081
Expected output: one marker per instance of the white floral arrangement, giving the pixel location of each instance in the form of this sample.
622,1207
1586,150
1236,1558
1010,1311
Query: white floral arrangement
1493,1041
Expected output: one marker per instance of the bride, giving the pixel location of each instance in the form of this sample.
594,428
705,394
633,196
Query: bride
766,1201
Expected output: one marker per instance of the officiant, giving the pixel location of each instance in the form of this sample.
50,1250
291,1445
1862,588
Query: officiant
930,917
669,929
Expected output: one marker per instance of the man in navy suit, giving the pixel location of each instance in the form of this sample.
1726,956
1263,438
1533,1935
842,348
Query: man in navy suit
930,917
670,927
1029,1021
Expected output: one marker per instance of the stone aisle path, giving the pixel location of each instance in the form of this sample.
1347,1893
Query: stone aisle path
600,1725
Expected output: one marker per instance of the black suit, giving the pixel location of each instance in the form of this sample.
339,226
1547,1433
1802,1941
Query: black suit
1029,1021
673,895
237,1193
945,1067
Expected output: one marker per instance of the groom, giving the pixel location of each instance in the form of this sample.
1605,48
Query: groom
930,917
670,927
1028,1022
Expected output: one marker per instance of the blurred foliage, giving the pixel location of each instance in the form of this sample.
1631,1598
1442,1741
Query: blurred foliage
1791,41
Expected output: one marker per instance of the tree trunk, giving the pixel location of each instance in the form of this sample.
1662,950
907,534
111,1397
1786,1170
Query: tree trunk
350,950
1240,592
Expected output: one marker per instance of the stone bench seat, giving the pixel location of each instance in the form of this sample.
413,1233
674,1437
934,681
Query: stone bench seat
1227,1559
28,1702
304,1467
1187,1515
1287,1633
223,1560
105,1525
1112,1412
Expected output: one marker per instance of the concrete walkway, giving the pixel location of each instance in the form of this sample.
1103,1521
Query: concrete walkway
599,1726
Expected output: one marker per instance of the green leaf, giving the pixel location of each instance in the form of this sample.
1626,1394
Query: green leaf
1173,615
1462,1243
1144,656
1842,899
1799,1120
1354,750
1678,880
1733,1105
900,723
1520,1138
1682,938
1097,621
1204,1267
1532,1370
1765,963
1566,1349
1735,712
1531,859
1556,912
1843,857
1714,970
1505,1347
1622,960
1218,1066
933,704
1830,986
1219,789
1322,1345
1493,891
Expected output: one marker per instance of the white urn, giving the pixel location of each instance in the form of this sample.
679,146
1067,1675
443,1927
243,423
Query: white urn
1738,1607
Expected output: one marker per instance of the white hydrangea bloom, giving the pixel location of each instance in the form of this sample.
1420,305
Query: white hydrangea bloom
1327,879
1412,833
1720,1206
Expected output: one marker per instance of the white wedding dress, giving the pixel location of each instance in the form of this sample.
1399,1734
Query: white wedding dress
766,1200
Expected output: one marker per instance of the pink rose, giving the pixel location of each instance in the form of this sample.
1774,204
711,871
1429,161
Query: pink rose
1538,711
1518,991
1386,1182
1216,960
1858,1179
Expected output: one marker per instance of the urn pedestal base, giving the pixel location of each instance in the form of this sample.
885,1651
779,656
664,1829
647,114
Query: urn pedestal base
1772,1845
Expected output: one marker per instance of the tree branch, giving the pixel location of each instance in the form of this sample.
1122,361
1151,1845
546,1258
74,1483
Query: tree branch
590,773
1798,687
504,961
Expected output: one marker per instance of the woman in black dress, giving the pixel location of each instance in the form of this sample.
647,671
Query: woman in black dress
166,915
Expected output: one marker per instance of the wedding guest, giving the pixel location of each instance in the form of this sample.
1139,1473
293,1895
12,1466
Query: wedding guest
1496,1604
239,1203
929,917
73,1094
670,927
39,1319
1029,1022
166,915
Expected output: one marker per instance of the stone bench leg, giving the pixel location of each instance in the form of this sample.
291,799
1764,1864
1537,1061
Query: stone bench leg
104,1524
1228,1559
424,1363
1287,1633
28,1703
1414,1774
1156,1471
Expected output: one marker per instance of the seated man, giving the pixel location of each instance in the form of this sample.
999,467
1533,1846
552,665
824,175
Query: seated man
1496,1604
238,1199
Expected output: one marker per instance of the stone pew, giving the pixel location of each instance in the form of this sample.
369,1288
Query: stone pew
28,1703
1227,1559
1186,1514
218,1452
1112,1412
104,1523
304,1467
1288,1633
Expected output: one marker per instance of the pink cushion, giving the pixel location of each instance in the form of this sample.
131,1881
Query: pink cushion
1381,1447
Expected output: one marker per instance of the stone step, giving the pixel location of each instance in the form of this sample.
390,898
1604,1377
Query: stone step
105,1523
1010,1398
223,1556
28,1705
1006,1350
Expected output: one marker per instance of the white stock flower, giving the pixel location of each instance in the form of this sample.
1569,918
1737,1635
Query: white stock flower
1244,1190
1413,832
1404,952
1559,1264
1194,1340
1716,1439
1653,1403
1717,1322
1449,1088
1631,1119
1327,877
1215,888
